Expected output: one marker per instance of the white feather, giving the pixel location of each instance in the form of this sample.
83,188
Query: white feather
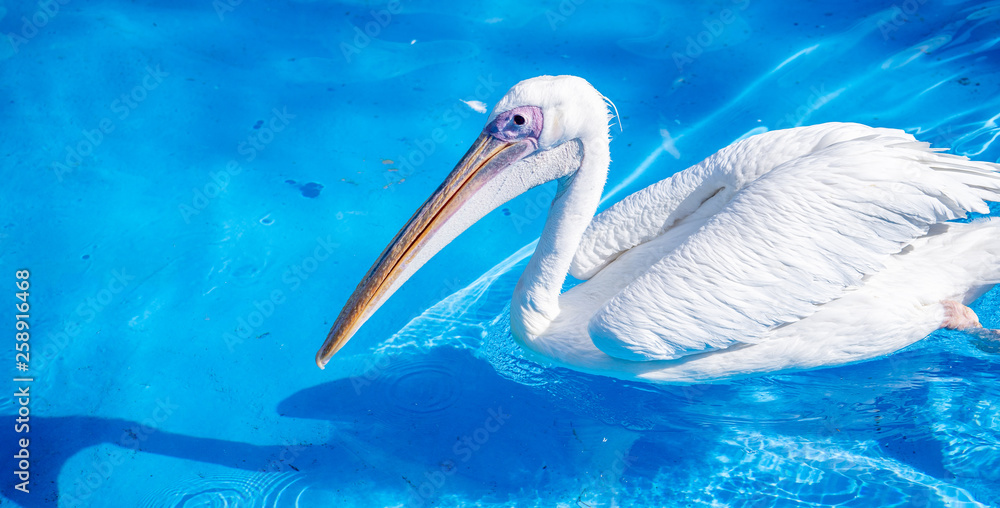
798,236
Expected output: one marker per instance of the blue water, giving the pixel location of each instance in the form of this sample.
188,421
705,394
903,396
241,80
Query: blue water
197,186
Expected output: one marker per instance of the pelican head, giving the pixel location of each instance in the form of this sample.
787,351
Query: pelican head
542,130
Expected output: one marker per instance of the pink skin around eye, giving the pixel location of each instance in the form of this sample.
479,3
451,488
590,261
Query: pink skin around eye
519,123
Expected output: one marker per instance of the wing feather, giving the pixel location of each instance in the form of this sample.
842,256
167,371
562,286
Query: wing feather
795,237
704,188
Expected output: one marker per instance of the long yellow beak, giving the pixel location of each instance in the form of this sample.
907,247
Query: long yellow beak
487,157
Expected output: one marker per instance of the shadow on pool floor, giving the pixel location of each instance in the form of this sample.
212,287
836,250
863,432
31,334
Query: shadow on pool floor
489,436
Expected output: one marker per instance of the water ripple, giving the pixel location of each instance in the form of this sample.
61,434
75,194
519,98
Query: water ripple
421,387
250,490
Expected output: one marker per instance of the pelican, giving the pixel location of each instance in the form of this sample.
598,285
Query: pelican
788,250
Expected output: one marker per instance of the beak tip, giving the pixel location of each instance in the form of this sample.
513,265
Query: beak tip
320,361
330,347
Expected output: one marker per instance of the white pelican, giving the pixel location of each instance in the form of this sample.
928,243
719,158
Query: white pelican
792,249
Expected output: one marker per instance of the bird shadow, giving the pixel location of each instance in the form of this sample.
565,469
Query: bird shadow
422,424
441,421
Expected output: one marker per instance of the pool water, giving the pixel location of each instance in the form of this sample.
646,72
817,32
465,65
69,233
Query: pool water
197,186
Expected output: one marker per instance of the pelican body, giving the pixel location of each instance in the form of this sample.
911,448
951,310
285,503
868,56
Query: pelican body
792,249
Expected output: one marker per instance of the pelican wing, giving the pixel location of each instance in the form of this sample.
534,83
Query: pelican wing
797,236
646,214
705,188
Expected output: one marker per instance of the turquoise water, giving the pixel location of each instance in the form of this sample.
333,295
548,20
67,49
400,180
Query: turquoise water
197,186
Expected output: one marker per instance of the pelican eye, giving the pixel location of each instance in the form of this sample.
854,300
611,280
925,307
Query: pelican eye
516,124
